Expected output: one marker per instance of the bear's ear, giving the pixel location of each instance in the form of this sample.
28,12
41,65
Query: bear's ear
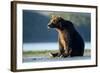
59,17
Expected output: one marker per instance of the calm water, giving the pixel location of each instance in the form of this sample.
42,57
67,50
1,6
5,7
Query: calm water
46,46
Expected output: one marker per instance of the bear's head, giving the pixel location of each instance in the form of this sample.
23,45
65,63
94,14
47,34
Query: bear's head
60,23
55,22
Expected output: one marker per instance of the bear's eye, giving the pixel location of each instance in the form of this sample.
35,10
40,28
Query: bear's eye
55,21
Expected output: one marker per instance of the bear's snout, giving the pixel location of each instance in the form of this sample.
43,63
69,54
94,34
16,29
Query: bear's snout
50,25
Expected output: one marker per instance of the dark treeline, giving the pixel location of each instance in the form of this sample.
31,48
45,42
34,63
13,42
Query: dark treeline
35,25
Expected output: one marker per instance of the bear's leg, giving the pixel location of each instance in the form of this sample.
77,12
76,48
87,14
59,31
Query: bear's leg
61,51
61,48
67,54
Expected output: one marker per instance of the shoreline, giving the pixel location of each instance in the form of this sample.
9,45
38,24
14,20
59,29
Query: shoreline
45,53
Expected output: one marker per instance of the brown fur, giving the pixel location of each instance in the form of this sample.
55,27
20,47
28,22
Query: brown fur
68,44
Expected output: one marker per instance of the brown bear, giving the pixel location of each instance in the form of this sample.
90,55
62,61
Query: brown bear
70,41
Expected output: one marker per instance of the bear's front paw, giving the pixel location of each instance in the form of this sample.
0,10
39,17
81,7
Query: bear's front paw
50,54
53,54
